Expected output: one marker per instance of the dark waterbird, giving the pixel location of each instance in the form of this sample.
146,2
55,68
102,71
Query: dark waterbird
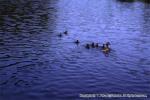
107,44
106,48
66,32
93,45
103,47
87,46
77,42
60,35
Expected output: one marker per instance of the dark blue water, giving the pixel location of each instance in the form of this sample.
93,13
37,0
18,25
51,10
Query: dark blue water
35,64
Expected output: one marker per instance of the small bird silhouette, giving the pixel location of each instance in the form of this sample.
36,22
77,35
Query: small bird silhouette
66,32
93,45
60,35
77,41
87,46
96,45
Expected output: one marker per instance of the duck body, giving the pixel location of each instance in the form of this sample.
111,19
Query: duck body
105,47
93,45
60,35
77,42
87,46
96,45
66,32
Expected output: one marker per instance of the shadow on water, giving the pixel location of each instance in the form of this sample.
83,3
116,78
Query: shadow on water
24,16
146,1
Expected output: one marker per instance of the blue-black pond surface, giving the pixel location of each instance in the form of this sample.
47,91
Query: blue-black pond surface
36,64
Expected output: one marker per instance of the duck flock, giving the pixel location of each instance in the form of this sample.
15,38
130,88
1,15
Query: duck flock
104,48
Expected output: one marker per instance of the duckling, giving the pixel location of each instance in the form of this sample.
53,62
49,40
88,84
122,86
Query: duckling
96,45
93,45
103,47
60,35
107,44
87,46
66,32
77,42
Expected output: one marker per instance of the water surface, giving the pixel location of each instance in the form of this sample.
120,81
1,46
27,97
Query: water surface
35,64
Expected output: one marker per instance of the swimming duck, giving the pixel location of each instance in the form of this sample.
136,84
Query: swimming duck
107,44
66,32
93,45
77,42
87,46
60,35
105,47
96,45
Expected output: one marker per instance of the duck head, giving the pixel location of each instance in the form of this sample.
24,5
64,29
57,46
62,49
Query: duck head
77,42
103,46
107,43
